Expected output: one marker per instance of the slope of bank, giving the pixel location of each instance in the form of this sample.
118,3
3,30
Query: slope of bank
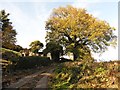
86,75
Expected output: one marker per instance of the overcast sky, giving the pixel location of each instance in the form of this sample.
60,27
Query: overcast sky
29,16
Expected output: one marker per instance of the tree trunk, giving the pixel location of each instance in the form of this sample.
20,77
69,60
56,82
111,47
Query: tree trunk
55,56
75,52
75,56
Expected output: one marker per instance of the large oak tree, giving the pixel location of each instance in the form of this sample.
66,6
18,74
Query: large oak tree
76,29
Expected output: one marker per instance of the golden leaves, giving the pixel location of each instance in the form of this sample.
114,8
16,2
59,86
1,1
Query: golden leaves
79,24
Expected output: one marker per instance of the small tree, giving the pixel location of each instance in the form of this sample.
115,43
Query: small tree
35,46
8,33
55,49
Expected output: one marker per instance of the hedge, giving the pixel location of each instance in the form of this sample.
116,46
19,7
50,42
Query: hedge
19,62
32,62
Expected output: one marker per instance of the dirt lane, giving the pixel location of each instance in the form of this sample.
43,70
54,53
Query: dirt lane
36,80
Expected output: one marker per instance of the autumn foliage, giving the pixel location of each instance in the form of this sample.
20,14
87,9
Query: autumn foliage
75,28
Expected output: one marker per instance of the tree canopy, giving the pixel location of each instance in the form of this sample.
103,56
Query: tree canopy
7,32
74,28
35,46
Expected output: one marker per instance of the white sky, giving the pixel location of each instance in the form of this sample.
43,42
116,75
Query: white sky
29,18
